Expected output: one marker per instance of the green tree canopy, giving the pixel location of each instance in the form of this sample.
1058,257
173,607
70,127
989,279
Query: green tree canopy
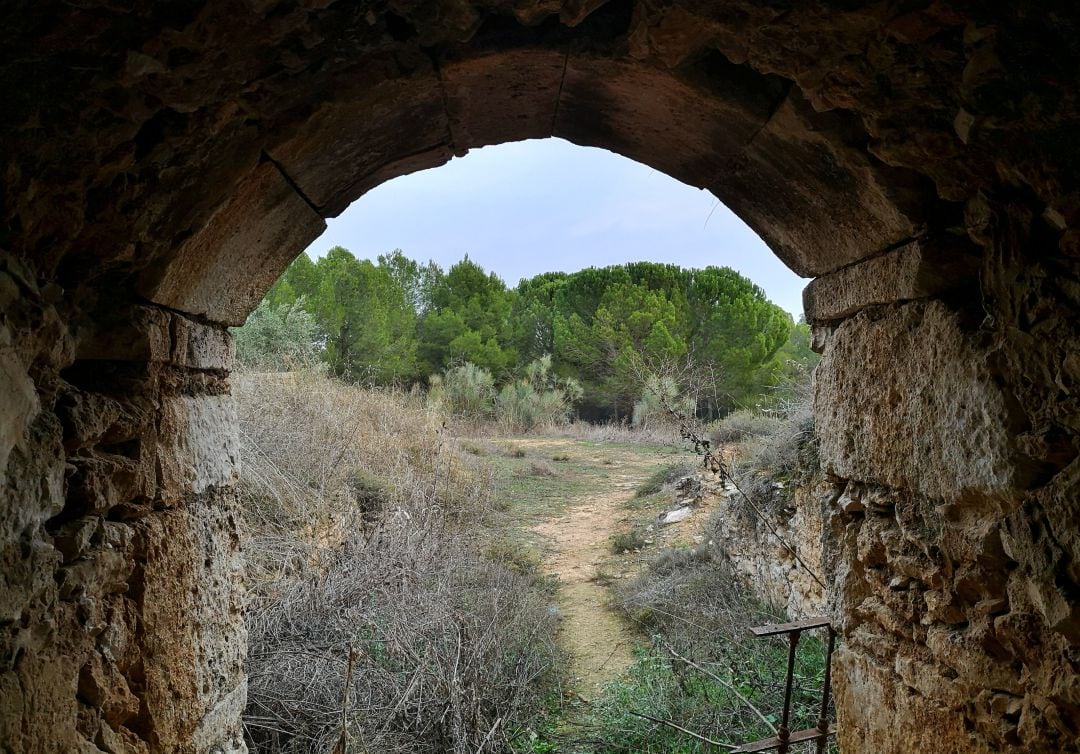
468,320
397,320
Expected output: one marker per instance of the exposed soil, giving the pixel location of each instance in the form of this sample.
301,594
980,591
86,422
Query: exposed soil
577,549
598,640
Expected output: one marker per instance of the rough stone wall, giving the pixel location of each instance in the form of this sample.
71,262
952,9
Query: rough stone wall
949,419
121,626
766,564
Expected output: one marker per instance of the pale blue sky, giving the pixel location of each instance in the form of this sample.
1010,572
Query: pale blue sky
528,207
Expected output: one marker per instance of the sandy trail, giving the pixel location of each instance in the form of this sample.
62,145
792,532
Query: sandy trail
579,540
597,639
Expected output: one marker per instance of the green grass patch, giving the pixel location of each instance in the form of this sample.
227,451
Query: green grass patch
662,477
627,541
531,489
662,687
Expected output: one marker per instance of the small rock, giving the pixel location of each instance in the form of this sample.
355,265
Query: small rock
898,583
74,538
675,516
849,502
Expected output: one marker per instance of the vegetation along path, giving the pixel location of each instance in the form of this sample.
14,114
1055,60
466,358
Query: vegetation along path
573,501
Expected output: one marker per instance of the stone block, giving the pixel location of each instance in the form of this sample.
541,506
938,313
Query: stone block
128,333
211,443
918,269
850,205
503,96
200,346
900,719
223,270
682,127
906,399
379,126
192,618
18,407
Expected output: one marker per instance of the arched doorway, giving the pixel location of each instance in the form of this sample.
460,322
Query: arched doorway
164,164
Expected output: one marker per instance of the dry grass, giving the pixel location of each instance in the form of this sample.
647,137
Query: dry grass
373,616
769,464
616,433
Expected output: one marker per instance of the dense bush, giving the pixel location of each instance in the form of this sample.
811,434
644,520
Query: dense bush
373,614
540,398
742,425
277,338
465,391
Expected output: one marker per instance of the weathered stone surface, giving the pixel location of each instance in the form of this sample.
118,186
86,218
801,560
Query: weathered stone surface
904,719
627,106
387,118
73,592
918,269
761,551
211,444
343,98
154,335
222,271
904,397
503,96
796,167
204,632
20,402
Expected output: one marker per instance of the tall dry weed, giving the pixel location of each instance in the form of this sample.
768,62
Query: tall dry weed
374,622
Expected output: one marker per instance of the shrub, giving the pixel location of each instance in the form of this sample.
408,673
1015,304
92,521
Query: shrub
689,600
627,541
277,339
663,477
465,391
513,554
540,398
352,505
538,468
787,455
743,425
660,397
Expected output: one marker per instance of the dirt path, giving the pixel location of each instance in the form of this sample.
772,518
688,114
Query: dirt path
598,640
578,544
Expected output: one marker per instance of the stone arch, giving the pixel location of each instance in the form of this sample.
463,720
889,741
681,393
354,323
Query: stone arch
163,165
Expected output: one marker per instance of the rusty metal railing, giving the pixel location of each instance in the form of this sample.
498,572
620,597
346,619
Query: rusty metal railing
784,738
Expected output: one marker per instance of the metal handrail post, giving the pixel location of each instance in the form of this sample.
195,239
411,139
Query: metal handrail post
823,718
784,732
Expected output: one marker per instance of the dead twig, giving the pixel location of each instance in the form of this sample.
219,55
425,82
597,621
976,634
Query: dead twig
723,682
698,736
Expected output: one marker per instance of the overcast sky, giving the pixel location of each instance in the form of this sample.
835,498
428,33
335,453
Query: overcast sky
528,207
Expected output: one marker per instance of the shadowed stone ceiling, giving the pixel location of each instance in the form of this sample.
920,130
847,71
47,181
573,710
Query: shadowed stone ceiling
188,150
